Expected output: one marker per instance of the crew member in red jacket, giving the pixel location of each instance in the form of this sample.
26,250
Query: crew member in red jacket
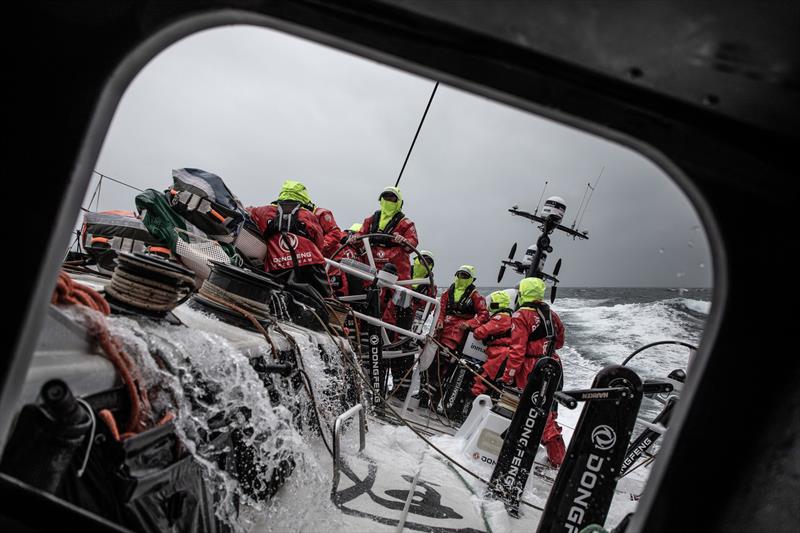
529,325
332,233
496,335
405,316
462,308
341,283
399,230
294,237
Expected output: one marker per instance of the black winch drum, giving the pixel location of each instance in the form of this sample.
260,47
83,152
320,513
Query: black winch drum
243,283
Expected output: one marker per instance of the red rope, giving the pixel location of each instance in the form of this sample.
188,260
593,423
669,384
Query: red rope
69,292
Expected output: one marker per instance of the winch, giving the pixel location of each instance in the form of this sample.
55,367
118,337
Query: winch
148,284
255,293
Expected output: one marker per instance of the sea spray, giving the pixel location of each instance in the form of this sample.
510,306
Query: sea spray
215,392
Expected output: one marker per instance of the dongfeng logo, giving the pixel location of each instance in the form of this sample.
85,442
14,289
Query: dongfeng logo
603,437
290,245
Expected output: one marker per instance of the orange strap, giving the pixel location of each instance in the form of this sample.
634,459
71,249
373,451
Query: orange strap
217,216
160,250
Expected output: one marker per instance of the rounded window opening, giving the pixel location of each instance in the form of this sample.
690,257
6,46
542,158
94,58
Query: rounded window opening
243,131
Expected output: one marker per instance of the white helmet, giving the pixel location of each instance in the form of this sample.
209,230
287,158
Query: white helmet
554,208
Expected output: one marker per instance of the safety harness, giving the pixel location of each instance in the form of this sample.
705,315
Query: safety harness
497,336
376,220
544,329
286,223
464,306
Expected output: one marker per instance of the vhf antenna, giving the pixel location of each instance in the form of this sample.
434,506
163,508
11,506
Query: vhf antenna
578,212
536,212
586,207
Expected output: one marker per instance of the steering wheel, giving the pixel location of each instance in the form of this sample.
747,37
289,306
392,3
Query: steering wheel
367,236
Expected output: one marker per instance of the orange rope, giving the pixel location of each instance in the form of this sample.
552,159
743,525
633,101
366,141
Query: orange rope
68,292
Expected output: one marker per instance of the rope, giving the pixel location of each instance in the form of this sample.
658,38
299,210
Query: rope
133,285
68,292
225,301
307,383
212,292
460,362
428,442
253,320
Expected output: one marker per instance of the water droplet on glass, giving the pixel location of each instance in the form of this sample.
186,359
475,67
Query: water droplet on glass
661,250
691,244
702,265
681,274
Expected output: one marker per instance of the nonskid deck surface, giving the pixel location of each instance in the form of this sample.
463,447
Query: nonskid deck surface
374,487
375,484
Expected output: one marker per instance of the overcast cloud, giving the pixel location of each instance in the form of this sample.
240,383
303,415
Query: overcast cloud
257,107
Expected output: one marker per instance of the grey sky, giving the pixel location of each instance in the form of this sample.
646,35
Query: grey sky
257,107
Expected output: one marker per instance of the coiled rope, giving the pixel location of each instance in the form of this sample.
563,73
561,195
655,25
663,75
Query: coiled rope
149,286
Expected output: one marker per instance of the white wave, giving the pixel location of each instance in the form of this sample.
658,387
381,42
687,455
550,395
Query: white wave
578,303
608,334
698,306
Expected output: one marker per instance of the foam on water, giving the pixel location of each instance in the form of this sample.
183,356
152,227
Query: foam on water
608,334
210,385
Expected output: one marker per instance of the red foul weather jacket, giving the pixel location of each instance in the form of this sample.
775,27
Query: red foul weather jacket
470,310
304,237
529,342
496,335
332,233
389,251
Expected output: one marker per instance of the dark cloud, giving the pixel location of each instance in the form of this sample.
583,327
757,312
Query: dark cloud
257,107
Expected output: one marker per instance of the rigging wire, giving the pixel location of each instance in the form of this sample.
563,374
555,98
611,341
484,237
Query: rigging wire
586,190
592,187
403,421
99,186
417,134
96,188
105,176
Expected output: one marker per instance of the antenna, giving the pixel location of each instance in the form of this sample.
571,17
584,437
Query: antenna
586,207
578,212
536,212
